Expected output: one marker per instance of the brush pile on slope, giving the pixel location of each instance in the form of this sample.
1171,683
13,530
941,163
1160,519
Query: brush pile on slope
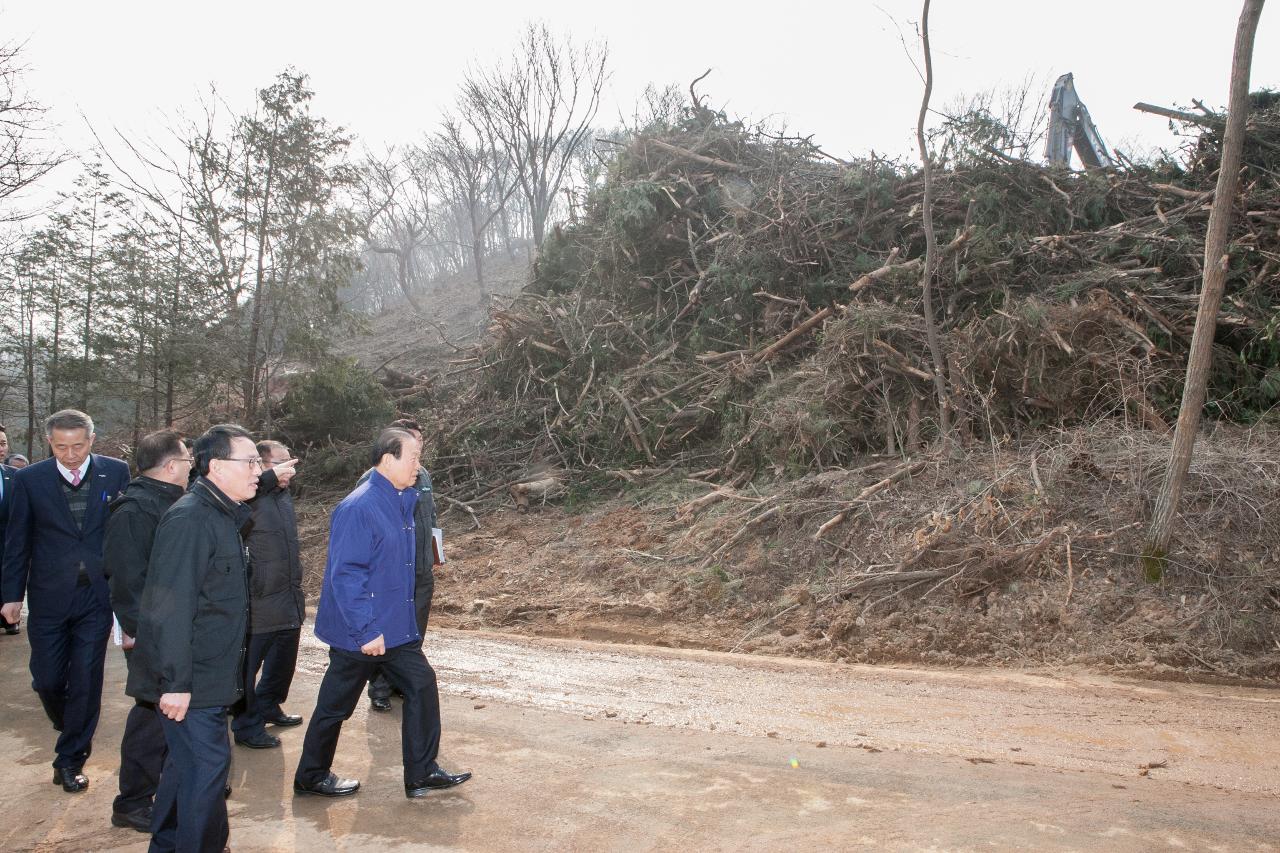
742,303
740,314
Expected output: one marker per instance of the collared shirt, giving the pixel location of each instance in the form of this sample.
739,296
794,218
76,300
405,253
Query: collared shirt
69,474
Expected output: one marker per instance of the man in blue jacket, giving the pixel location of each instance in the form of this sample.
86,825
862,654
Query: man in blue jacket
53,556
367,617
424,519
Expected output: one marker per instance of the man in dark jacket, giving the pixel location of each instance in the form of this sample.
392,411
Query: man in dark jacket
163,463
191,634
276,606
367,617
424,584
53,556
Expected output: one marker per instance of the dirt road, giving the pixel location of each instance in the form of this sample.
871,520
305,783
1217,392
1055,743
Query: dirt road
580,746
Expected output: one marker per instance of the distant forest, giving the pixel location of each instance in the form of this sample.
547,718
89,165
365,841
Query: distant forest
182,272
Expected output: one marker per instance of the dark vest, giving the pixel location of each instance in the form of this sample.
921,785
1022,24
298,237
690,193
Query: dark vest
78,502
77,496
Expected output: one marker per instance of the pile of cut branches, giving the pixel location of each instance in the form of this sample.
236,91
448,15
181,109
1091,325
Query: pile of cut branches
734,304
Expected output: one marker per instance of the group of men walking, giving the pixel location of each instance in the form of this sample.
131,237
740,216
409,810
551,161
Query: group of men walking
198,559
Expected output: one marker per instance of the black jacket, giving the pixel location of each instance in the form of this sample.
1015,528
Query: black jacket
275,568
195,603
131,528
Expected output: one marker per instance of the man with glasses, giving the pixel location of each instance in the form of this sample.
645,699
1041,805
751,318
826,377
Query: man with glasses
276,605
191,638
53,558
163,463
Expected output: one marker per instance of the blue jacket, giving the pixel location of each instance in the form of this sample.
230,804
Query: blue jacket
43,548
368,579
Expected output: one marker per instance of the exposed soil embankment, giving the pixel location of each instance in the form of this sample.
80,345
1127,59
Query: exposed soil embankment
1013,556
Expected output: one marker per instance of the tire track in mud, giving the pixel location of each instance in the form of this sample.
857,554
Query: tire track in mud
1196,734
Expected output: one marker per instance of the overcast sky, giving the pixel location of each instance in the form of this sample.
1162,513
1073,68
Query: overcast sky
838,71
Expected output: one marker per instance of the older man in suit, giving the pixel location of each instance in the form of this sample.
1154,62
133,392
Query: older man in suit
53,557
6,486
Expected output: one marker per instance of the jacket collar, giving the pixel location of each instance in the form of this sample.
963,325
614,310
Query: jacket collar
381,483
404,498
85,467
169,490
211,494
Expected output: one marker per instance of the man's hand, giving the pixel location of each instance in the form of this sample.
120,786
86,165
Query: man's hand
376,646
12,611
174,705
127,642
285,470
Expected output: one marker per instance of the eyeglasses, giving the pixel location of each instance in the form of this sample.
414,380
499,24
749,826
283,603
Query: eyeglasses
190,460
254,461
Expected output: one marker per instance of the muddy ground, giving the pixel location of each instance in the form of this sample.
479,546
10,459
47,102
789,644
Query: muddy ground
588,746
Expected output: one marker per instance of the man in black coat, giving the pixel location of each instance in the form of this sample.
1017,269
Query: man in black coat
276,605
6,486
191,634
424,583
163,463
53,556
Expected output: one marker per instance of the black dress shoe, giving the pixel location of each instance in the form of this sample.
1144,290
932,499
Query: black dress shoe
259,741
226,792
380,704
284,720
70,778
438,780
139,819
332,786
11,629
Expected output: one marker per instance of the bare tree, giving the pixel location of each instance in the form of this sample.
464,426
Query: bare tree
1007,122
931,243
1216,263
396,214
473,174
25,153
538,108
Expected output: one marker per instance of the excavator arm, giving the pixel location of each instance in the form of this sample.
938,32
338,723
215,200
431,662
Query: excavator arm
1070,128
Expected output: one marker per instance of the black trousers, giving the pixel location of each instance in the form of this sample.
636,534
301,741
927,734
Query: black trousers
142,754
190,813
409,672
276,654
67,656
379,684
